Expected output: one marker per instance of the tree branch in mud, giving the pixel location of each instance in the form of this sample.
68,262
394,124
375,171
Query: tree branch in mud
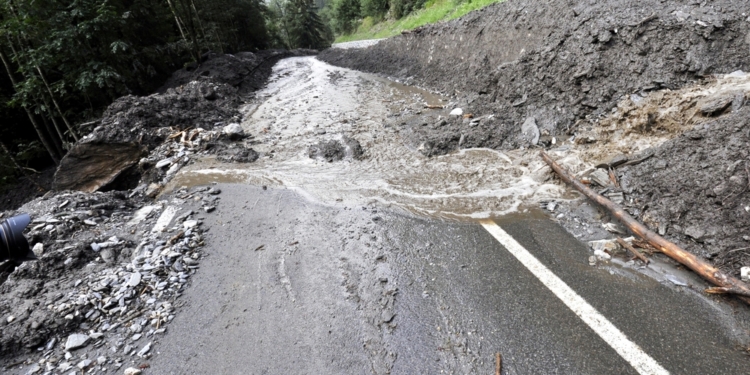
726,283
632,250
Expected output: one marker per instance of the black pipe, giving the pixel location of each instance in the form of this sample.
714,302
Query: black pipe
13,245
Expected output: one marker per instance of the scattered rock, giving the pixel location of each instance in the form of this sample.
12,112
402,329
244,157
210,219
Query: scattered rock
132,371
457,112
90,166
529,131
336,150
745,274
715,105
76,341
234,131
695,232
604,245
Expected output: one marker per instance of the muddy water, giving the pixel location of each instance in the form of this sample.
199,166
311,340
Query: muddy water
307,101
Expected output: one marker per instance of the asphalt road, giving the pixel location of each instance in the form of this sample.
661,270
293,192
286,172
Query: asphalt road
292,286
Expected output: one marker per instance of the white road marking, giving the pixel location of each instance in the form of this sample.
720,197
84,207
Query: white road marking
628,350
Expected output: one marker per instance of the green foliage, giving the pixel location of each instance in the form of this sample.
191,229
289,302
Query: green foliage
433,11
346,13
79,55
376,9
305,27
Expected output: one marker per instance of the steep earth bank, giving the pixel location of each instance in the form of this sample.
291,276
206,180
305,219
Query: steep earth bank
574,68
562,63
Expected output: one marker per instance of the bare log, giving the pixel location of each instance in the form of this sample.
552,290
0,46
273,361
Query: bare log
632,250
498,363
703,269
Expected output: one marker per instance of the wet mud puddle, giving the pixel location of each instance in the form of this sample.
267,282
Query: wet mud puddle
307,102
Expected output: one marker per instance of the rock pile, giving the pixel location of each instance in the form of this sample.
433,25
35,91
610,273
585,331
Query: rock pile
107,280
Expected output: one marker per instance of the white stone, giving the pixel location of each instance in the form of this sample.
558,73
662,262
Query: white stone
132,371
163,163
135,279
602,255
457,112
76,341
745,274
38,249
190,224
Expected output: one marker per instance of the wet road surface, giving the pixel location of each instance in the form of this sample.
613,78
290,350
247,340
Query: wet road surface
358,290
381,265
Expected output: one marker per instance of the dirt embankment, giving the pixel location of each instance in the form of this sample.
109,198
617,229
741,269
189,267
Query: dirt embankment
604,78
559,62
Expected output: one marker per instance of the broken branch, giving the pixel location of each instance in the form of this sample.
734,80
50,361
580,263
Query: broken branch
730,290
703,269
632,250
498,363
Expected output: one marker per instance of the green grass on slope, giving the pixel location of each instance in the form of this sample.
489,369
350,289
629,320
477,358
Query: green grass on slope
433,11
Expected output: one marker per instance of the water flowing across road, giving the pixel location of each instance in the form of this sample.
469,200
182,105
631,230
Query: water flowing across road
307,101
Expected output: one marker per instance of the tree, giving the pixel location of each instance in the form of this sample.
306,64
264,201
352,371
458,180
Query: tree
345,15
305,28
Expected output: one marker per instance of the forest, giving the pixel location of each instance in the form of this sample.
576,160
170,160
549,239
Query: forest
64,61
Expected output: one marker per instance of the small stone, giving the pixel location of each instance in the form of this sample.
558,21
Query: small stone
101,360
602,255
592,260
76,341
132,371
457,112
602,245
144,350
745,274
90,223
234,131
530,131
715,105
188,224
65,366
35,368
695,232
38,249
600,177
10,319
135,279
551,206
209,209
84,364
164,163
137,337
214,191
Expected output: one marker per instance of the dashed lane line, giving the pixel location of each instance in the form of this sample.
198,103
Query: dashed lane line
628,350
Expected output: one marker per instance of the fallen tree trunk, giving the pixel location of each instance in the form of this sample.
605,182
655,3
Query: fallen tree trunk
713,275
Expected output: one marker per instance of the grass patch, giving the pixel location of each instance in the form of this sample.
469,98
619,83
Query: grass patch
434,11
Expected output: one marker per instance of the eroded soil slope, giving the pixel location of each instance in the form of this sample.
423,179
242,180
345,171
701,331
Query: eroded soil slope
560,62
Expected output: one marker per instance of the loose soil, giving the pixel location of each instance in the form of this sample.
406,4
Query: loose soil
600,79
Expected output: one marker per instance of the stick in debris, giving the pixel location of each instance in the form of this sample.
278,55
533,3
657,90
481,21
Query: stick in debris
432,106
630,248
498,363
703,269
